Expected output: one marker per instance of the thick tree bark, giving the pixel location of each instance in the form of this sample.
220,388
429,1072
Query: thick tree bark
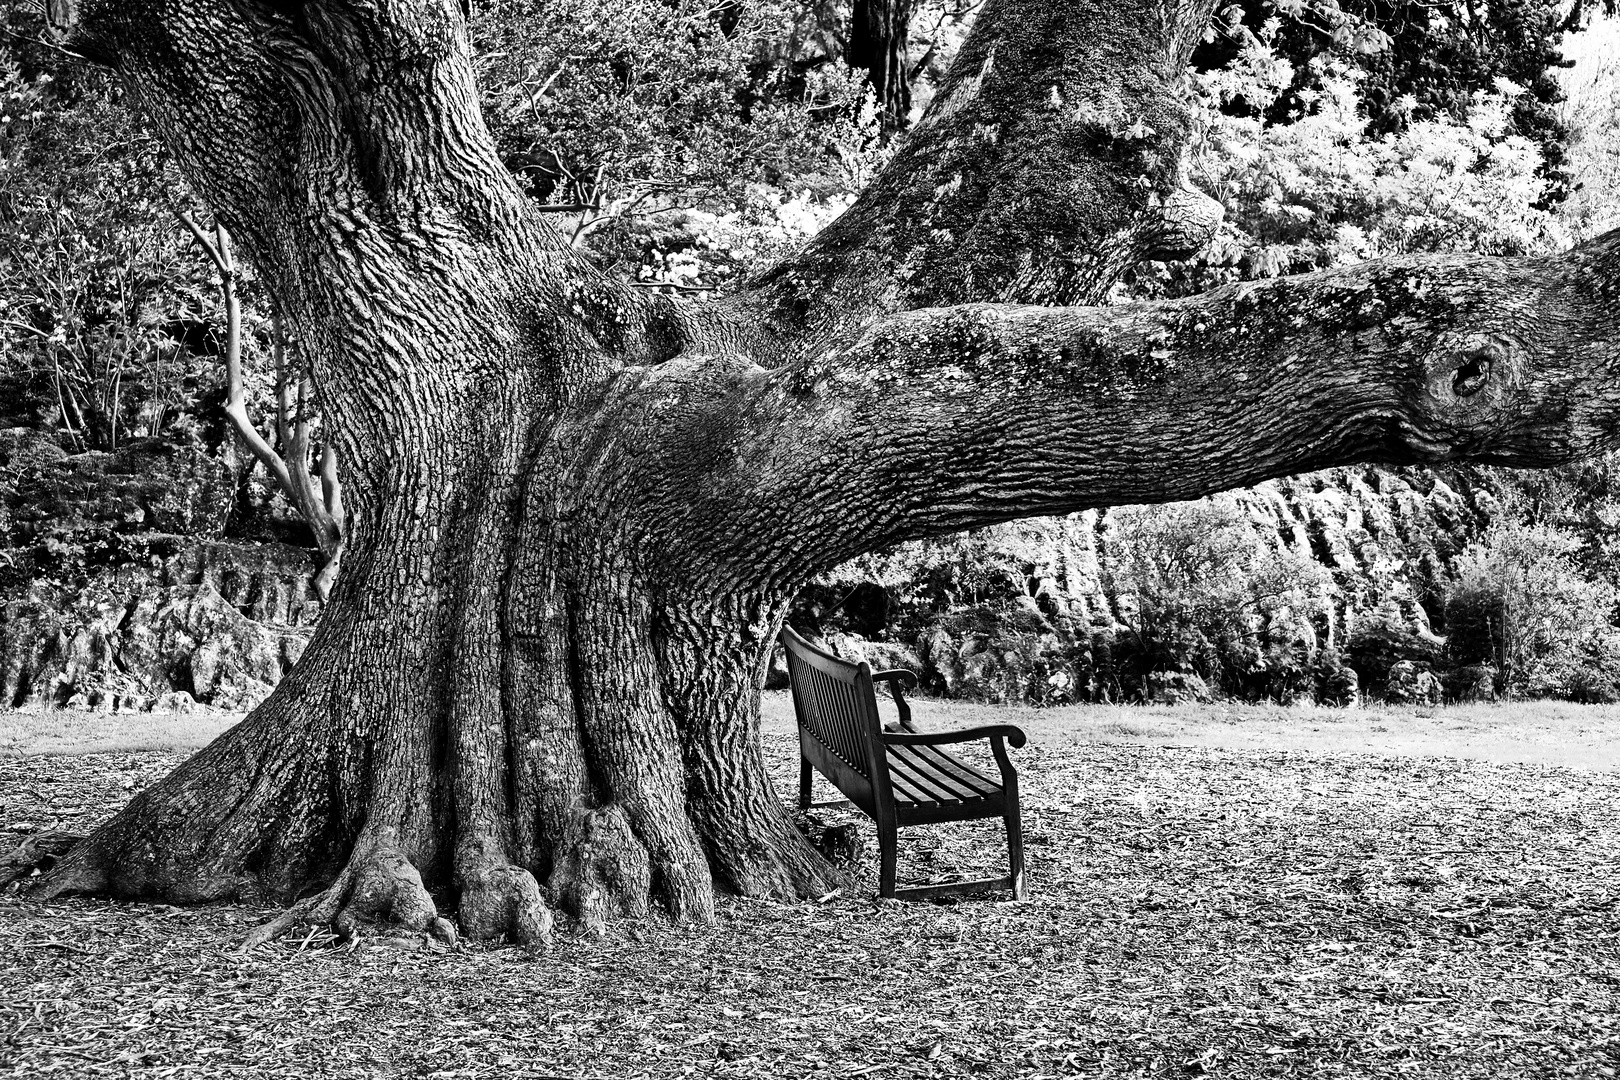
1051,160
579,513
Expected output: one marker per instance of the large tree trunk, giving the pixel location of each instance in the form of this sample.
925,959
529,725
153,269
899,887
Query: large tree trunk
499,693
579,512
1051,160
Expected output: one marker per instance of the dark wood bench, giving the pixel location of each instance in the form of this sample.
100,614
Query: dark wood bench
898,777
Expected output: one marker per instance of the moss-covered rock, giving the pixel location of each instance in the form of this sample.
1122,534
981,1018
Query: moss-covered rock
146,486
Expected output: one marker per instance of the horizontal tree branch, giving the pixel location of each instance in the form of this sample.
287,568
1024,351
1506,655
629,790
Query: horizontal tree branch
945,419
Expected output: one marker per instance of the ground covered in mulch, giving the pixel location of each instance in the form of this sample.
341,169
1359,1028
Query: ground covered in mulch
1194,911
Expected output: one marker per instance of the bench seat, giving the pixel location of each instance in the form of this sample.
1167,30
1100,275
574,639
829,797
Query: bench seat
929,780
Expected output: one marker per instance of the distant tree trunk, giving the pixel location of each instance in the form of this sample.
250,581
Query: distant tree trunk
579,512
879,33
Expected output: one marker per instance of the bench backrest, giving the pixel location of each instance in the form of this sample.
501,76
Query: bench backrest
839,726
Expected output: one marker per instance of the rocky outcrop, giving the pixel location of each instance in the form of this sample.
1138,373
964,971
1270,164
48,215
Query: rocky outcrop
145,487
217,623
1385,538
120,591
1385,535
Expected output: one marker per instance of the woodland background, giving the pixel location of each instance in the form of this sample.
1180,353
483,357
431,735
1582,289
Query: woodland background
153,559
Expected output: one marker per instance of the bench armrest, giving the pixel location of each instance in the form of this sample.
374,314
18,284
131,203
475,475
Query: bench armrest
904,677
1013,735
897,678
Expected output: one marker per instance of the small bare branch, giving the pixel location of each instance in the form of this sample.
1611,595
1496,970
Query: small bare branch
214,254
290,469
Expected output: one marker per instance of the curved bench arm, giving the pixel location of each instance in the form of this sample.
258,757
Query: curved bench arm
1013,735
896,678
901,675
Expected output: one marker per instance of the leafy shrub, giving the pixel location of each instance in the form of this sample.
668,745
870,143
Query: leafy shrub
1384,643
107,319
1321,191
1591,113
1415,62
1518,600
991,566
1199,592
704,139
1336,682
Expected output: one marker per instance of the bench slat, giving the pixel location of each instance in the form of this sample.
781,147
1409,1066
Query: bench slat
828,710
904,761
958,769
907,789
939,765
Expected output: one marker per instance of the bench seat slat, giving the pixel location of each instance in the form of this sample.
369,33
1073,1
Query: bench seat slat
927,775
958,769
911,786
937,768
907,789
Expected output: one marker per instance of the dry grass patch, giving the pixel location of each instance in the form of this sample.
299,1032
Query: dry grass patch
69,732
1536,732
1532,732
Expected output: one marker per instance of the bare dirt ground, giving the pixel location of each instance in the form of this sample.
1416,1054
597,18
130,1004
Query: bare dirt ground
1196,910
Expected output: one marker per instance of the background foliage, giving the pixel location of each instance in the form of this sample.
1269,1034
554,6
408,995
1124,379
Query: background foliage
1331,135
686,145
93,285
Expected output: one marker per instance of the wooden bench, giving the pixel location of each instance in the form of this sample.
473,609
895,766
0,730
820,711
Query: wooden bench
898,777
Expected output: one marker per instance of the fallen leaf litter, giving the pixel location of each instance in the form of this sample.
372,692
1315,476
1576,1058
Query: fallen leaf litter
1194,912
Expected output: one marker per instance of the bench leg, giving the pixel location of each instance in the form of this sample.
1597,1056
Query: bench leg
1015,843
888,851
805,779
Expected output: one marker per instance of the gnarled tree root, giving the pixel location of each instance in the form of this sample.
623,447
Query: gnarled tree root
39,852
602,869
378,883
501,900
